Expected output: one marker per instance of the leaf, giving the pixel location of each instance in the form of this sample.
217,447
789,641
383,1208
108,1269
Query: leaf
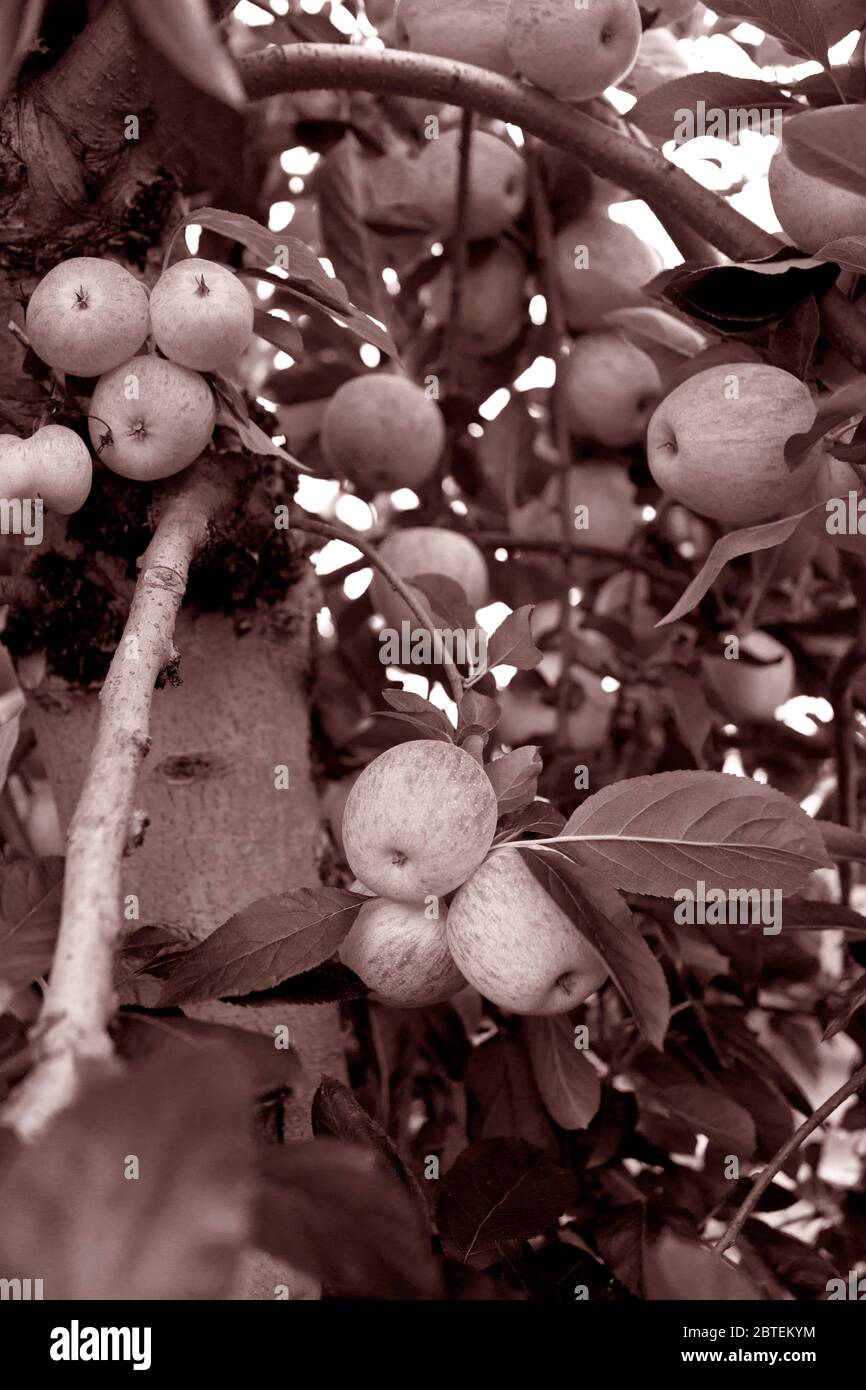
743,298
806,1270
172,1232
849,252
188,37
512,643
810,913
844,404
290,298
278,331
346,236
251,435
30,899
19,30
730,547
539,818
853,999
503,1096
500,1190
706,1111
604,919
797,23
676,1268
621,1242
336,1112
515,778
793,339
269,941
568,1082
304,272
842,843
331,1210
668,108
269,1068
11,704
665,832
429,721
656,328
693,715
476,714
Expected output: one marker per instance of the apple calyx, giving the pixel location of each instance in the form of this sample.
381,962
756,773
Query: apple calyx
201,286
81,298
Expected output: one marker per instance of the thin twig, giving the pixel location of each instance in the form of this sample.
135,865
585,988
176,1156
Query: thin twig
559,346
72,1029
624,560
459,245
332,530
854,1084
845,748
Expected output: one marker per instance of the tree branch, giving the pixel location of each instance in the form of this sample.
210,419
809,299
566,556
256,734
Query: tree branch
72,1027
854,1084
640,168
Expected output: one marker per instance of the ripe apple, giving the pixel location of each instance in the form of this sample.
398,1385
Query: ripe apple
529,712
159,418
515,945
660,59
418,820
625,598
606,491
401,954
472,31
610,388
811,210
747,693
601,265
54,464
573,51
497,184
383,432
201,315
428,550
492,302
86,316
717,442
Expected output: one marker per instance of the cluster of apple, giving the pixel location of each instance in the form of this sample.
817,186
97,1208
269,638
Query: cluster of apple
150,416
418,826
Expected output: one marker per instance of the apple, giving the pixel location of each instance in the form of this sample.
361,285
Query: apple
401,954
472,31
492,302
86,316
382,431
497,184
717,442
158,417
515,945
54,464
573,50
609,389
606,491
418,820
747,693
811,210
428,550
626,599
529,713
201,315
601,265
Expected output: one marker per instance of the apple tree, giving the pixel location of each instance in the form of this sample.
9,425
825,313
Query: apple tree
431,690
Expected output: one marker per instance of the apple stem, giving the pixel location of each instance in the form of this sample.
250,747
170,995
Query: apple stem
202,287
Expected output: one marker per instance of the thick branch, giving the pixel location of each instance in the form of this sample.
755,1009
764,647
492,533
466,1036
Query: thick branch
72,1027
637,167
